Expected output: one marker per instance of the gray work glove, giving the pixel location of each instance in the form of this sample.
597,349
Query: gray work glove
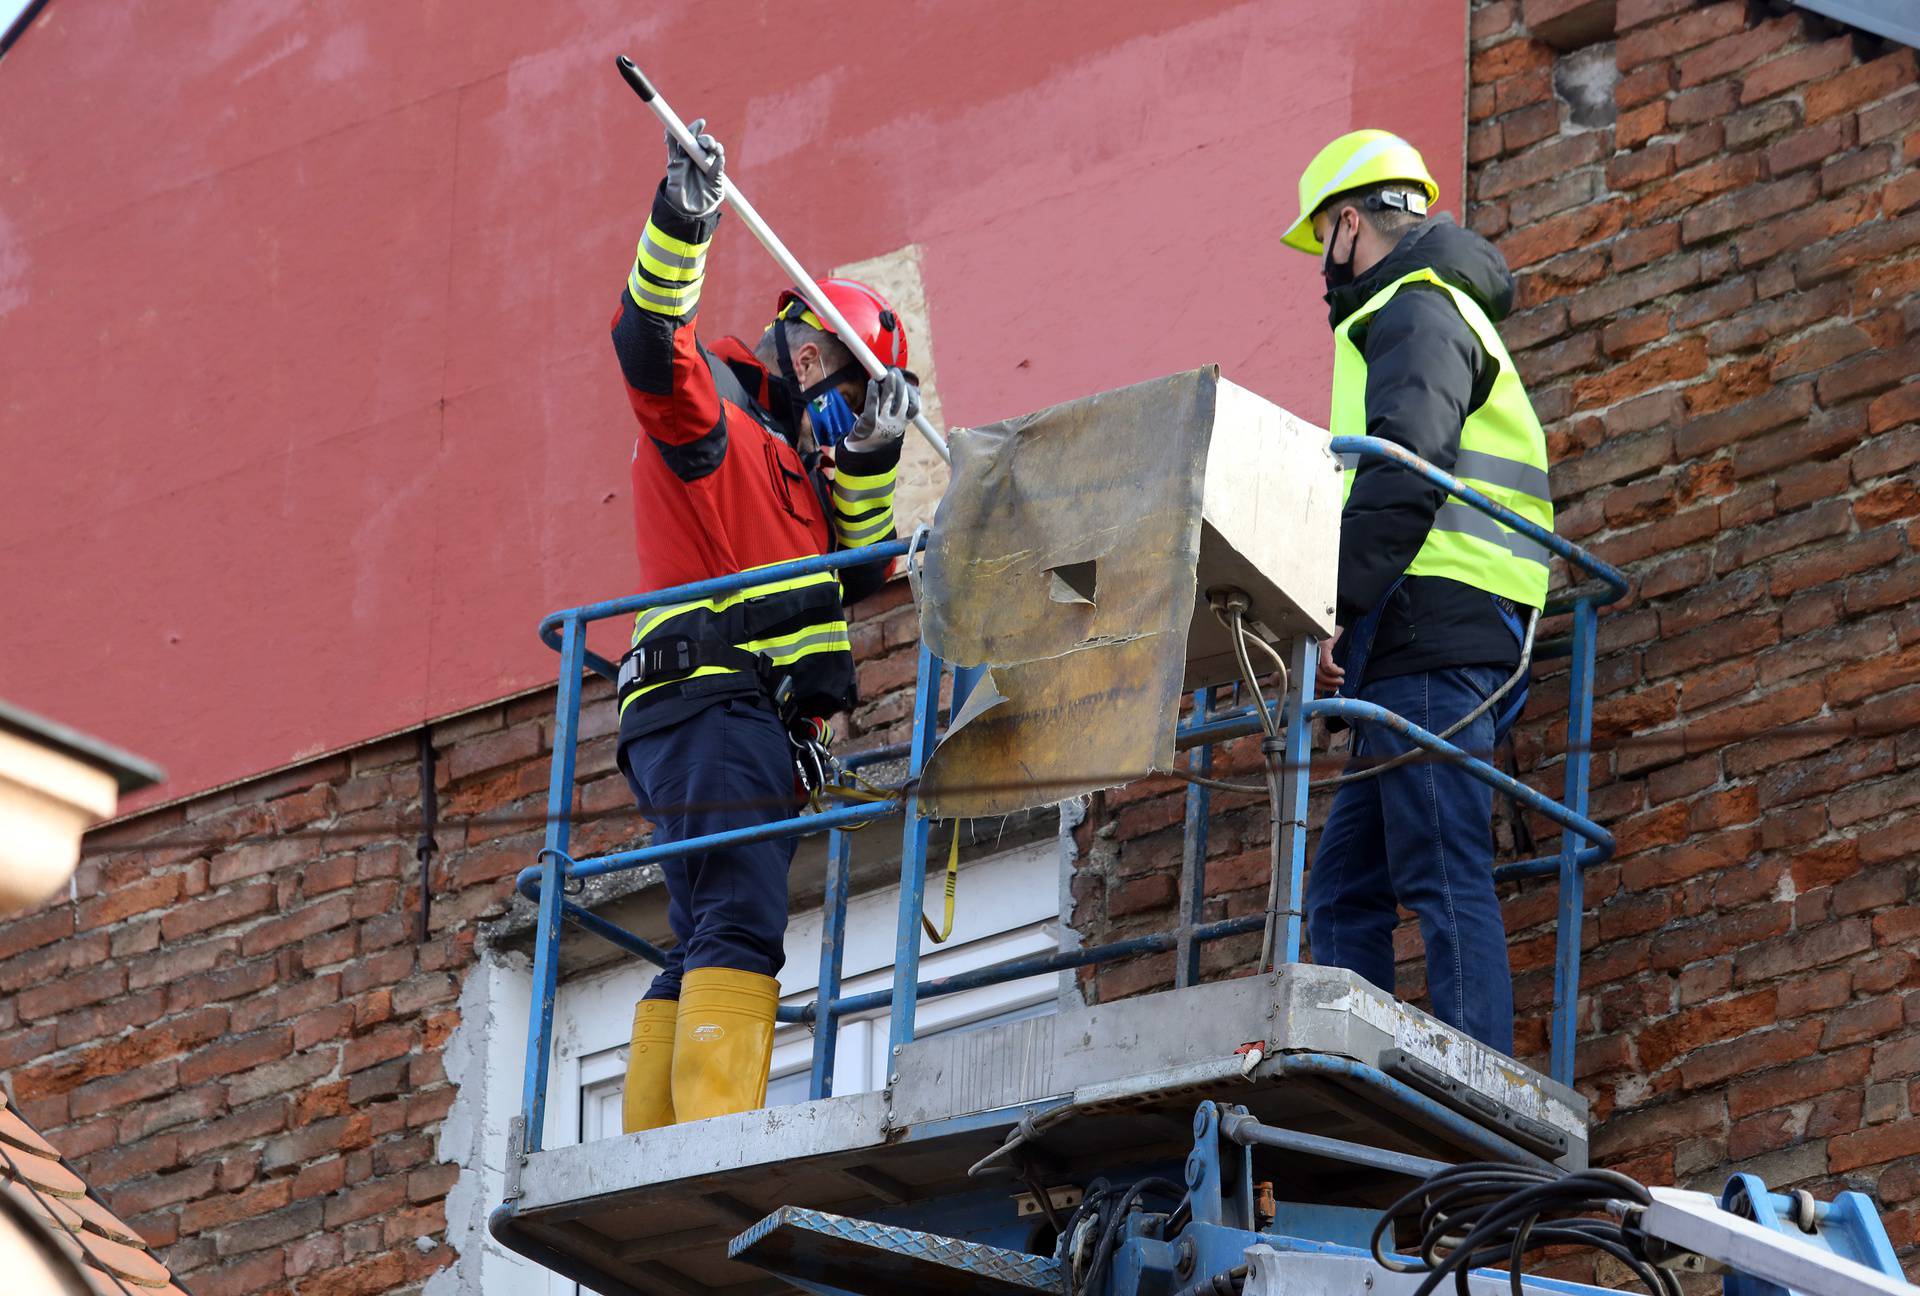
892,403
693,192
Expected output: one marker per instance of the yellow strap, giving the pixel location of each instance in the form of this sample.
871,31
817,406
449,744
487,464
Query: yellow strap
939,937
855,788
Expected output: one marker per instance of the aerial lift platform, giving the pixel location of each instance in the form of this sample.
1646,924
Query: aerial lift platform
1235,1136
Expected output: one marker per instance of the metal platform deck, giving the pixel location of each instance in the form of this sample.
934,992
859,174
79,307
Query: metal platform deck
653,1212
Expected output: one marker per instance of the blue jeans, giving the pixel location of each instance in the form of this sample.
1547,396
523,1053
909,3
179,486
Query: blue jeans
728,766
1421,836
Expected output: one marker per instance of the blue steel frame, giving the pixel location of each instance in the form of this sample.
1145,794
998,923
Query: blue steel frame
1583,843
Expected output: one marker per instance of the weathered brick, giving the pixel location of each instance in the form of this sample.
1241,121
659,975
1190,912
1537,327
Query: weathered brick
1795,68
1686,358
123,902
390,1042
71,992
1750,545
1684,31
1860,167
1735,52
35,931
1537,165
1852,555
1800,229
212,987
363,1200
255,858
389,967
1801,950
335,911
1873,1146
1716,1063
1859,85
1869,373
120,1090
1681,946
1622,292
216,910
260,1272
281,1077
272,1229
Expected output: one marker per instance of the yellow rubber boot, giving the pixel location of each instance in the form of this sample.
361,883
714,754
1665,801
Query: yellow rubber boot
647,1102
723,1042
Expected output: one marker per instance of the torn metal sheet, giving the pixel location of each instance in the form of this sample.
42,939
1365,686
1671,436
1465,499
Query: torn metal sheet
1063,558
1072,554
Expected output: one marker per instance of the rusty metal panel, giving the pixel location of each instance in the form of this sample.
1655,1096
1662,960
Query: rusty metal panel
1063,557
1074,554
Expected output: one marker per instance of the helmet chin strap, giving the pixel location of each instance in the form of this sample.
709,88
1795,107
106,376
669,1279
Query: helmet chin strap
845,373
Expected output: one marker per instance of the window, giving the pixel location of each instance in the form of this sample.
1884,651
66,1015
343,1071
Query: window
1009,908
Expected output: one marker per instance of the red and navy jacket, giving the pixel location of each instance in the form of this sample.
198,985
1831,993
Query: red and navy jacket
719,487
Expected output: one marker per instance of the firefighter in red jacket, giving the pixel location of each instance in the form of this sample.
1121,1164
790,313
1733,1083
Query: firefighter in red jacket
745,458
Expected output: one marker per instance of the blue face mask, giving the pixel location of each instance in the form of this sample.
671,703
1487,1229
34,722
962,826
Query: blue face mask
832,418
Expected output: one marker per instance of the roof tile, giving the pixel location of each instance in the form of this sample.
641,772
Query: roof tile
109,1254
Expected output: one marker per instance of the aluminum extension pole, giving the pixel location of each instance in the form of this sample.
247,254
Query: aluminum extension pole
789,264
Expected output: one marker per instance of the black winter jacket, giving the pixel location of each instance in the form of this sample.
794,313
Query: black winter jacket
1426,371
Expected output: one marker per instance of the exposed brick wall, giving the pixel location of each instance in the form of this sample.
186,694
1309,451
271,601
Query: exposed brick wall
233,1031
1716,220
1718,319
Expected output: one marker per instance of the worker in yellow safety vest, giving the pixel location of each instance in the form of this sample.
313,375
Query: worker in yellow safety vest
1433,595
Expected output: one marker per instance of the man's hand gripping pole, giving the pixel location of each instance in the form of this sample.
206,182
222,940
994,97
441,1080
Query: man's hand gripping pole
789,265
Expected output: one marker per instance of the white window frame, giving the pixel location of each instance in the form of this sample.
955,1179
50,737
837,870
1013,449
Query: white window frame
1008,907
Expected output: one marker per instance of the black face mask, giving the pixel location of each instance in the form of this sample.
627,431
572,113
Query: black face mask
1337,274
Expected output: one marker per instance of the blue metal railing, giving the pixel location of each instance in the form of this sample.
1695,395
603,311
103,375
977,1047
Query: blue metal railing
1583,843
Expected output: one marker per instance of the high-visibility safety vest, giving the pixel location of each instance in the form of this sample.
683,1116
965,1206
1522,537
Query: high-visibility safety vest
1503,454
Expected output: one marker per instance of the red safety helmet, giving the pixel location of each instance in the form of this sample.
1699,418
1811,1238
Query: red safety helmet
870,315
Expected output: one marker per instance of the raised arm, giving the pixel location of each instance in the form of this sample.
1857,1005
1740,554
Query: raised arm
864,474
668,379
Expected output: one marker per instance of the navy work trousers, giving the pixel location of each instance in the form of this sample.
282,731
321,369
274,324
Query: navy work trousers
726,767
1421,836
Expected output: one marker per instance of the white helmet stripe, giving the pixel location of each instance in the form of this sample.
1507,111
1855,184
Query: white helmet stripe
1368,152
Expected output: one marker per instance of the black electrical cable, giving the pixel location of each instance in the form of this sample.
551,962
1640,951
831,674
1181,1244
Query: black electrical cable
1104,1209
1472,1216
1117,1222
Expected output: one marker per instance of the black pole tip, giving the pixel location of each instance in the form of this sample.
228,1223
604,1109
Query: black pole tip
635,77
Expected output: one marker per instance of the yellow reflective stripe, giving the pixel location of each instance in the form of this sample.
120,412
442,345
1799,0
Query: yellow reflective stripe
824,637
845,514
654,266
670,262
858,482
645,689
664,292
649,619
668,242
864,531
662,301
1527,505
854,500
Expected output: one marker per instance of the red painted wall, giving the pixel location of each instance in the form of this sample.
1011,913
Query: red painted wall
307,412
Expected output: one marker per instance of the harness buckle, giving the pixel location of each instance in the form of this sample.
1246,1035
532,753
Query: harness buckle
651,663
669,657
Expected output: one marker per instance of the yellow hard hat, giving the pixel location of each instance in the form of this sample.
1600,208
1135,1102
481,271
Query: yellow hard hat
1354,161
